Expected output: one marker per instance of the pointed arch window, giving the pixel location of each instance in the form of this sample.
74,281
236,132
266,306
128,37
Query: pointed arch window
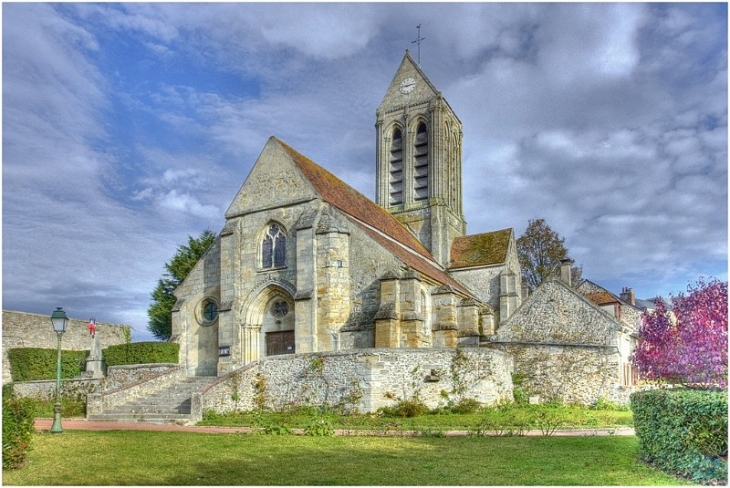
273,248
420,164
395,186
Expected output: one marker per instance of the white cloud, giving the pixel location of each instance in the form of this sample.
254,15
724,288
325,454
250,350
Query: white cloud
188,204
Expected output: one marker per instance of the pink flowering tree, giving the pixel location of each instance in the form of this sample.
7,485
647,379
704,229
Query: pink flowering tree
689,344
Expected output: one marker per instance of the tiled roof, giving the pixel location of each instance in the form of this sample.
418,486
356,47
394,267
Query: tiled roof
373,219
480,249
352,202
601,297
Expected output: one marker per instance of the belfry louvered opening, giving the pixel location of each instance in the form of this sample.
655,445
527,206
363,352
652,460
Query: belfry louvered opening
420,164
396,169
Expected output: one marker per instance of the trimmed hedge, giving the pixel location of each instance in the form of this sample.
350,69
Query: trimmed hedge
683,431
32,363
18,426
142,353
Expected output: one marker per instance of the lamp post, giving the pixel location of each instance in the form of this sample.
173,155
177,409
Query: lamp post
59,321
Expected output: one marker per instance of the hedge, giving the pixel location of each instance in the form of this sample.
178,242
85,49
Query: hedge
141,353
32,363
18,426
683,431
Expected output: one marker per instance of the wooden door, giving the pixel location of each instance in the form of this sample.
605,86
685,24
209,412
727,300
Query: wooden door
280,343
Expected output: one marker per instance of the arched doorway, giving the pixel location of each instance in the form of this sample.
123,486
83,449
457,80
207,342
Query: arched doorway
277,328
268,328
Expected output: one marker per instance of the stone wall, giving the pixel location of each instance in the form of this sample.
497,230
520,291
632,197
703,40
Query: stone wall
482,281
121,376
46,389
365,380
118,377
568,374
21,329
565,347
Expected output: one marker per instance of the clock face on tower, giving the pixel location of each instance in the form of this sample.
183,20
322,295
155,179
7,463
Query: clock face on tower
407,86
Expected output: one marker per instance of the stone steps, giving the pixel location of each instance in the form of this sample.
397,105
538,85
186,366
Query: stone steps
170,404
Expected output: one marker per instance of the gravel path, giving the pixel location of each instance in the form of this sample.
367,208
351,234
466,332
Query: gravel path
83,424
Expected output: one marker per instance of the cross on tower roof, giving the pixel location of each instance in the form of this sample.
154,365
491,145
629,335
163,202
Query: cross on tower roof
418,41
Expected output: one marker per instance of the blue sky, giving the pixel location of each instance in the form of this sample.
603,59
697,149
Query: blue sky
128,127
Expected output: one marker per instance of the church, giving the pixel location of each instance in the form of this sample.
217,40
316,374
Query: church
307,264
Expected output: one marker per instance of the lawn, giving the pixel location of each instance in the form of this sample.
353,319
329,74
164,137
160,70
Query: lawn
506,417
180,458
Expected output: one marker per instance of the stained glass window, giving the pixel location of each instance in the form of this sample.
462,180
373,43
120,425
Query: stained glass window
273,249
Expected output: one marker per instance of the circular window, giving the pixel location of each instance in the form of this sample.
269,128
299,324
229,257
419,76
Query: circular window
207,312
279,308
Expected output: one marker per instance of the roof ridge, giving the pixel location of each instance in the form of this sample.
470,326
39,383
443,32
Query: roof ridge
349,200
373,219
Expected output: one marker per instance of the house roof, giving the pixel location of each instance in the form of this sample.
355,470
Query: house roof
480,249
373,219
646,304
602,297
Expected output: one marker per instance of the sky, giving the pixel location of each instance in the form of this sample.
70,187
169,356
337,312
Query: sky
129,127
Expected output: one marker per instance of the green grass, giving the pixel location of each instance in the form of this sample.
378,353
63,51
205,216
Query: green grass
181,458
569,417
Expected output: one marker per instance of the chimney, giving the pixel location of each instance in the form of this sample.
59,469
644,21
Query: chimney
565,266
628,295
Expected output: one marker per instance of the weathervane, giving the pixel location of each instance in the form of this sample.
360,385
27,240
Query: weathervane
418,41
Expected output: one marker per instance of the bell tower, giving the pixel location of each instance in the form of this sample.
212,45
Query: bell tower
419,160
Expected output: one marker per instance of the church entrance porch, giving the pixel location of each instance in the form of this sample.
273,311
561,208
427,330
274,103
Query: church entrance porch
268,329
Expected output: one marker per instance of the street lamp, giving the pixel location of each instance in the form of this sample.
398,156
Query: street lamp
59,321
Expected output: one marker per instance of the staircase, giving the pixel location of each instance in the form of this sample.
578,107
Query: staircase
167,405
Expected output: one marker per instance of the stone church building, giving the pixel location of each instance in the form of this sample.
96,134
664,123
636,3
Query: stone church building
307,264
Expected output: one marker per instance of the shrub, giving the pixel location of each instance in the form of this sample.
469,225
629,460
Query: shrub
412,407
602,404
142,353
683,431
518,391
18,425
268,427
320,425
33,363
466,406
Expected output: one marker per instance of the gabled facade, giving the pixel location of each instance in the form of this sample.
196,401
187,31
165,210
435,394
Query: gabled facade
305,263
488,266
624,307
567,347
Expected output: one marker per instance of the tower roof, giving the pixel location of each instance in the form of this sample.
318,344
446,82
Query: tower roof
423,92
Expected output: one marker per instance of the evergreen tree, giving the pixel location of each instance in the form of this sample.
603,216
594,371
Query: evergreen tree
178,268
540,250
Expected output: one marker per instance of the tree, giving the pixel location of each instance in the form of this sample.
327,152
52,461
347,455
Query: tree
540,250
178,268
689,344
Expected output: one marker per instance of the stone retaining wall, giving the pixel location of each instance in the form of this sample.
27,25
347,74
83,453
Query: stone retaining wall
365,380
121,376
46,389
96,403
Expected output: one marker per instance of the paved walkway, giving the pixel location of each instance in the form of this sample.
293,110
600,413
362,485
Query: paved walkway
83,424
